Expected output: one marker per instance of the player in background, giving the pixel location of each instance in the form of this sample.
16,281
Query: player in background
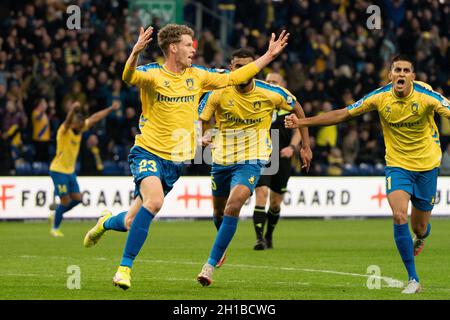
413,154
170,96
288,146
62,168
241,149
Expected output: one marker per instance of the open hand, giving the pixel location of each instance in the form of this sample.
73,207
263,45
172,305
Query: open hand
277,46
144,39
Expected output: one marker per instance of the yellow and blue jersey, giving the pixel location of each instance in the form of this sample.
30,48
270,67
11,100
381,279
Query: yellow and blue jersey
170,104
41,126
243,120
410,132
67,149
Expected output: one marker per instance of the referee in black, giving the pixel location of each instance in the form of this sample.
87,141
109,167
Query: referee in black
289,145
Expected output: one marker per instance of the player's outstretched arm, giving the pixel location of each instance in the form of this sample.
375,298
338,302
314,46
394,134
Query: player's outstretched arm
129,73
96,117
325,119
74,108
443,107
305,149
276,46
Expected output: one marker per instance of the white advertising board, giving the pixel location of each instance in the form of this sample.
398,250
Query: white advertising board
29,197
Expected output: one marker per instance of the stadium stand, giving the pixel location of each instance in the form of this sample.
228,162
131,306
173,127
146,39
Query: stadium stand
331,61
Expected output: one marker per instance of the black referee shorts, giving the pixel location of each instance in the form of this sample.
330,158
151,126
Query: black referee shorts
277,182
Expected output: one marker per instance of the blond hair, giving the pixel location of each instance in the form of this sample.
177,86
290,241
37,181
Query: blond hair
172,33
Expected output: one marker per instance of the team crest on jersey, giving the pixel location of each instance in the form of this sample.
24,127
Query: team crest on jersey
166,83
251,180
415,108
257,105
388,109
190,84
231,103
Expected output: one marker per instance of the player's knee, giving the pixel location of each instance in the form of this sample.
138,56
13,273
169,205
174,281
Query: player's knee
275,207
153,205
233,208
65,200
400,216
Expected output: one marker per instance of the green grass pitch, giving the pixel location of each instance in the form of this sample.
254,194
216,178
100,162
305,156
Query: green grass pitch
311,259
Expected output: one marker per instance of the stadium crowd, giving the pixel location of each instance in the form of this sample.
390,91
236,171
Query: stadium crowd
331,61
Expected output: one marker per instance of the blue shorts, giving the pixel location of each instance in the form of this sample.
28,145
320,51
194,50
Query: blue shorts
420,185
224,178
64,183
145,164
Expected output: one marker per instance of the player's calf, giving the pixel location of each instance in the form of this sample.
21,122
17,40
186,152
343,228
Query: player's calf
419,239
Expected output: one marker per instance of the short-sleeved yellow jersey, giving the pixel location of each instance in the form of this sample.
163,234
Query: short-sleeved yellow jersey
67,149
410,133
243,120
170,104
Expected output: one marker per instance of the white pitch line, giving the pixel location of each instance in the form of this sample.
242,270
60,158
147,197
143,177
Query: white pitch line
227,281
26,275
391,282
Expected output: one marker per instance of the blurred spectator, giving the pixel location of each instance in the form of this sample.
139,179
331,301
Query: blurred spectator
332,59
296,77
327,135
90,158
226,9
207,46
130,127
218,61
350,147
369,152
41,131
12,124
2,99
335,162
445,163
76,94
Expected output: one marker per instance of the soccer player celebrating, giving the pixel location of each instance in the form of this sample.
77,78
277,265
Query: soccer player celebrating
288,141
406,109
170,97
241,149
62,168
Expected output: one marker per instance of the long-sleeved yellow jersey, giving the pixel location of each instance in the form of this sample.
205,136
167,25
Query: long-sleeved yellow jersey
170,104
